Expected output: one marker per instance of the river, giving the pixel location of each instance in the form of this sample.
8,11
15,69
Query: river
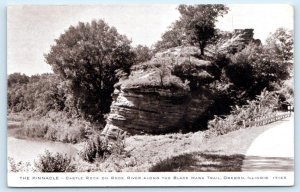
29,150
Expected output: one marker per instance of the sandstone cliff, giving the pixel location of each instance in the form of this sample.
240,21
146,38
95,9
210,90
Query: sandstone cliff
153,100
157,97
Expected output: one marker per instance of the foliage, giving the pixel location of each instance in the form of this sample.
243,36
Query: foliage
285,90
40,94
192,73
281,45
199,22
173,37
240,70
254,69
95,148
87,57
54,163
264,104
17,78
143,53
18,167
56,126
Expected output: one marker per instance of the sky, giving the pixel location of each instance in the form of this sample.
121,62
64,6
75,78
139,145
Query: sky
31,30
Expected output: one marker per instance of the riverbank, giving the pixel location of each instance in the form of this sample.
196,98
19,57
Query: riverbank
54,126
191,151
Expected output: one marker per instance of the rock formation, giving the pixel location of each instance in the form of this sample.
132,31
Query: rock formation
157,98
232,42
153,100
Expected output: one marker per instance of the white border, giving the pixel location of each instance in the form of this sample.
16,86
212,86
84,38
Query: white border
144,179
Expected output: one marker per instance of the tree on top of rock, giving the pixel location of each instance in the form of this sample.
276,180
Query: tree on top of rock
173,37
199,22
88,57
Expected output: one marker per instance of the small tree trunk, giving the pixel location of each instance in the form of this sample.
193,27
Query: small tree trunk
202,46
202,50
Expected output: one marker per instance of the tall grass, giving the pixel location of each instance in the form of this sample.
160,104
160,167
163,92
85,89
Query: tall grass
95,148
56,126
100,148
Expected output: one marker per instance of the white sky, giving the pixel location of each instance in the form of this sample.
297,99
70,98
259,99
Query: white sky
32,29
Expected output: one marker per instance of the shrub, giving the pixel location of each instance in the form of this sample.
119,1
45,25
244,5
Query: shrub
18,167
54,163
264,104
36,129
95,148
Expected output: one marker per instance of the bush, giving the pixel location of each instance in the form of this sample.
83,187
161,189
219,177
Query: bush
18,167
264,104
95,148
54,163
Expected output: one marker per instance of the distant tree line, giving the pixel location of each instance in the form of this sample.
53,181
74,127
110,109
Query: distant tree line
38,93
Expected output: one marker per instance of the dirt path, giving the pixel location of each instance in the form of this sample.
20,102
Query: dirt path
263,148
272,150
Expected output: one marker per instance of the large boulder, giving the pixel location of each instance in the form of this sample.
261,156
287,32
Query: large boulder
153,100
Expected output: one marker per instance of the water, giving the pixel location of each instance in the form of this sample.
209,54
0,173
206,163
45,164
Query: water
29,150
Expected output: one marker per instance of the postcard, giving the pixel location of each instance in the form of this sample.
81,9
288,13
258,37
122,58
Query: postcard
150,95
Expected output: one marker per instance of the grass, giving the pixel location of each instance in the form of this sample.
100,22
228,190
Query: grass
177,163
13,125
199,162
222,153
17,117
145,152
55,126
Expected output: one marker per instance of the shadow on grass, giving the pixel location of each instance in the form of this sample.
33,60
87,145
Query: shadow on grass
212,162
200,162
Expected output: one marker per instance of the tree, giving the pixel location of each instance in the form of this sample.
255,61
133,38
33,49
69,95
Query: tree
281,44
254,69
143,53
173,37
199,22
17,78
87,56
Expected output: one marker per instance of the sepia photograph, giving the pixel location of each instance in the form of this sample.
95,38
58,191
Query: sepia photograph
175,91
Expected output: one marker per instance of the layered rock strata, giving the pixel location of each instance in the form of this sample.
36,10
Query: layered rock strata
153,100
157,98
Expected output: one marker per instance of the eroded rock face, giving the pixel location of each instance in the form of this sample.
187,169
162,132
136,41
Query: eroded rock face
237,40
153,100
156,98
